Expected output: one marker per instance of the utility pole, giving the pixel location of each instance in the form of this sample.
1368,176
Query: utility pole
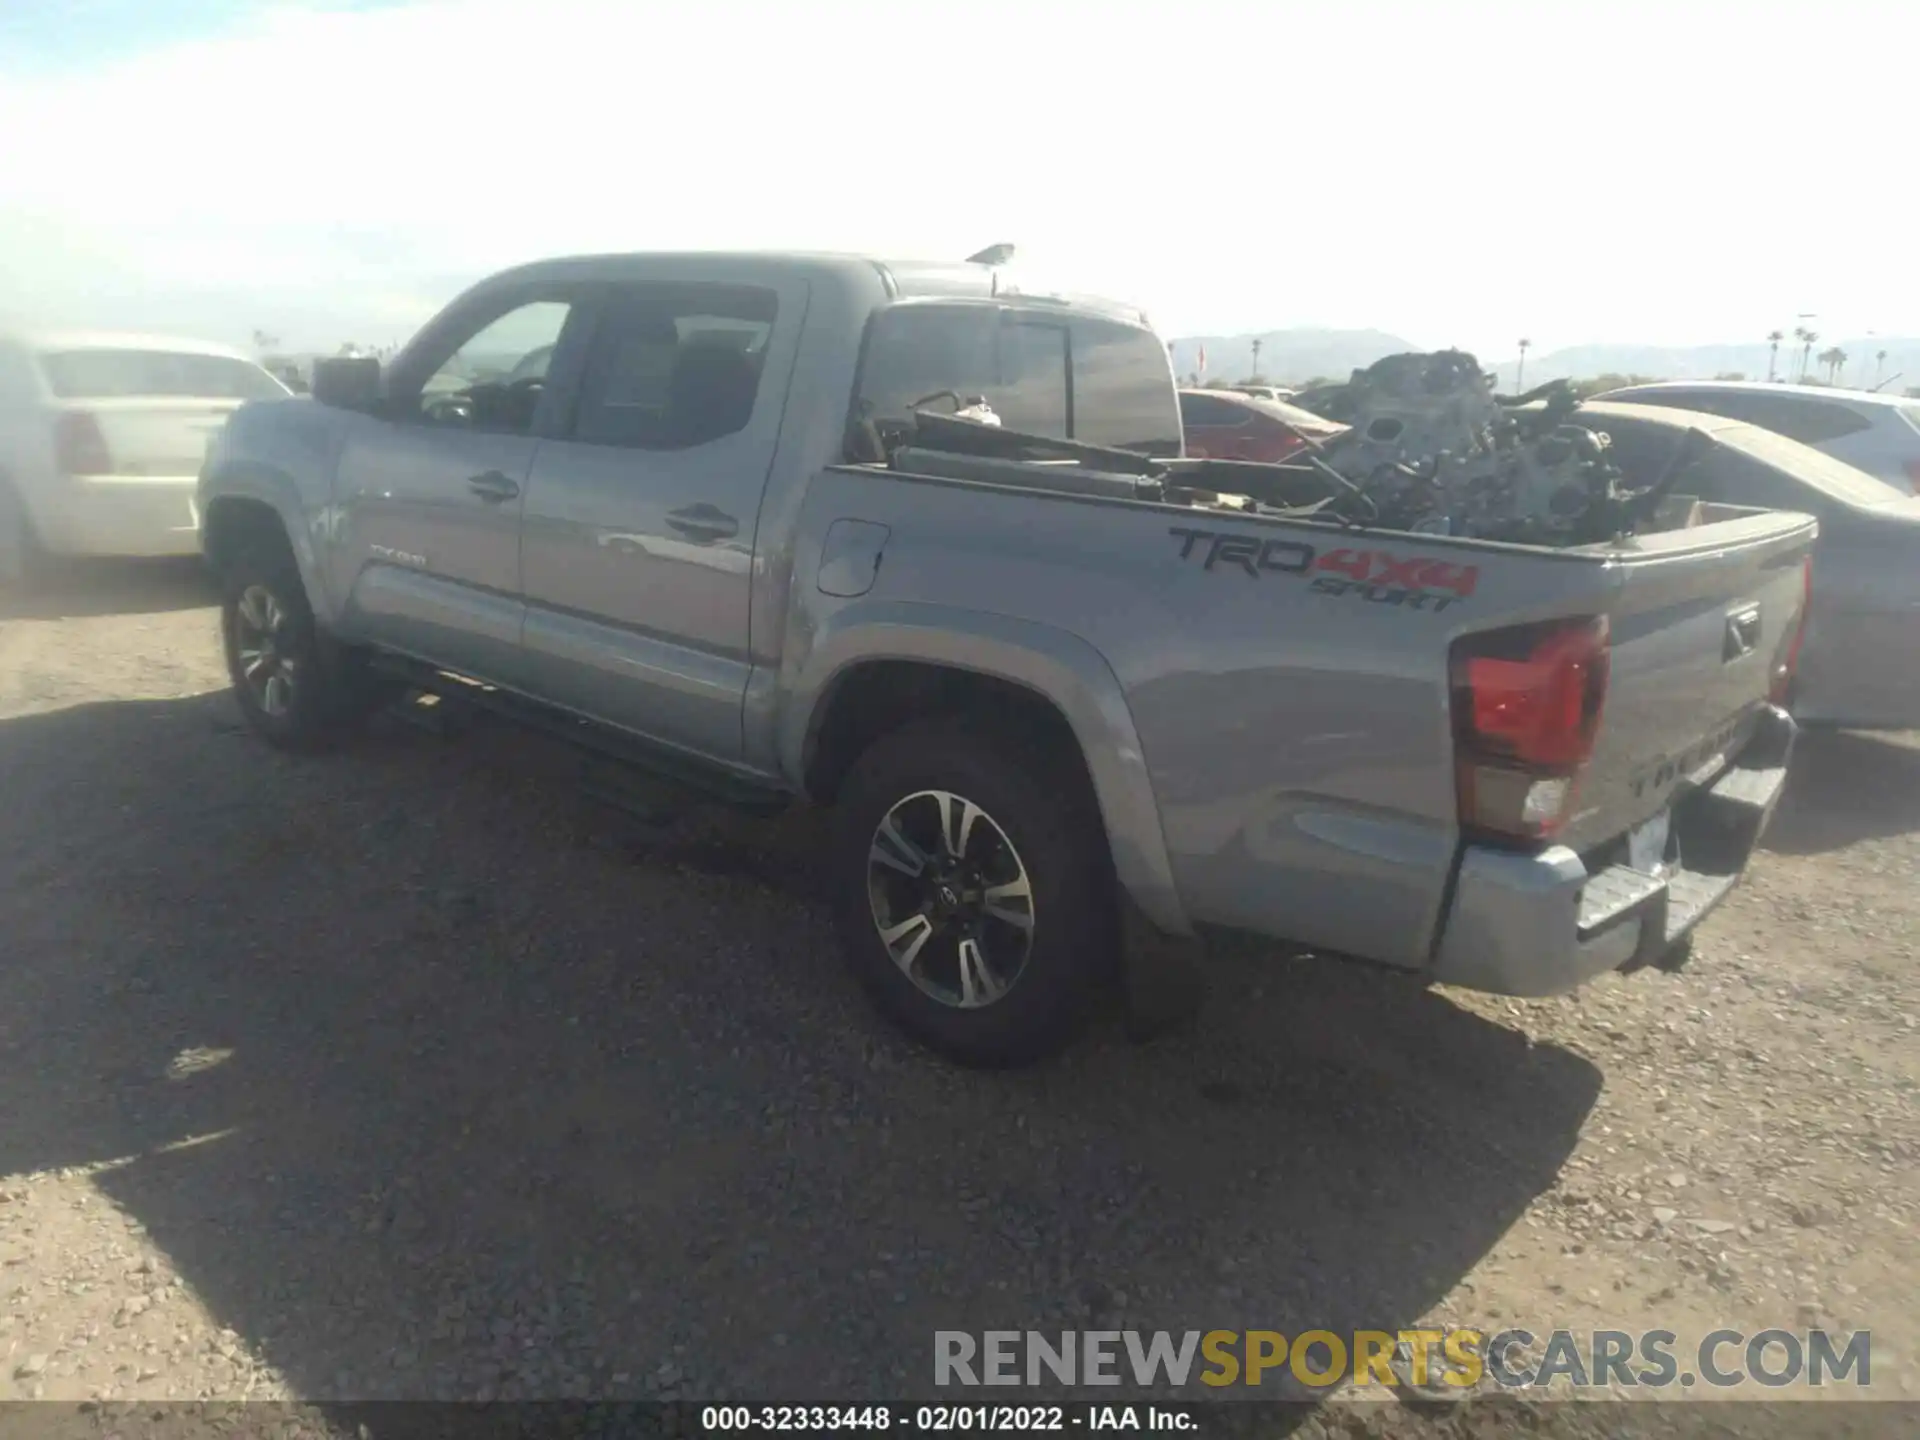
1256,357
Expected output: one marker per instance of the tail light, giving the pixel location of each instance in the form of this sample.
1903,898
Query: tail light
1526,713
1787,659
79,447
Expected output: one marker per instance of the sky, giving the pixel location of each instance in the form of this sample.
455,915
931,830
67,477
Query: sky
1467,173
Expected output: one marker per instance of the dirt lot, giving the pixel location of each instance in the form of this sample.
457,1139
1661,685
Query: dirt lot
409,1072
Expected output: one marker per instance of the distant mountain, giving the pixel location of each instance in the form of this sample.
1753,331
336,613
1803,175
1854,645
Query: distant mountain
1297,355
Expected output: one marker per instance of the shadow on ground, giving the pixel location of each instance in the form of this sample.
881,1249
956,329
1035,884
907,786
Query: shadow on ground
486,1102
80,588
1843,787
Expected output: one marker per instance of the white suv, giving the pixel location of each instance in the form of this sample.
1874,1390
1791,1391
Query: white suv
1879,434
101,439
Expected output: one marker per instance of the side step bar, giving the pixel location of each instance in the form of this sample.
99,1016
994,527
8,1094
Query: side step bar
613,750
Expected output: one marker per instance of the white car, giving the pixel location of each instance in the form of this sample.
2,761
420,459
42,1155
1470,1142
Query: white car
101,439
1879,434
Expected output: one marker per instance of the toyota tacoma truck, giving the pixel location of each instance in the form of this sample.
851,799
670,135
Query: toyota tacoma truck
919,544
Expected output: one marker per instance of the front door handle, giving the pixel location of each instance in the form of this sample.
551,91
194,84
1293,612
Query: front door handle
493,487
704,523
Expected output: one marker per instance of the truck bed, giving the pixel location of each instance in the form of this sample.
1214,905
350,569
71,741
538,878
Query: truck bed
1288,675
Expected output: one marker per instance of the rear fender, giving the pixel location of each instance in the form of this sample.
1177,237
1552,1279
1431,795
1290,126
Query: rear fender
1057,666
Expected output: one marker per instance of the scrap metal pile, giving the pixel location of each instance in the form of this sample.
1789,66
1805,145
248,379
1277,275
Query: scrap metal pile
1433,449
1429,448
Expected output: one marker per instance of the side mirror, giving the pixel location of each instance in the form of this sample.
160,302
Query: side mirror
347,383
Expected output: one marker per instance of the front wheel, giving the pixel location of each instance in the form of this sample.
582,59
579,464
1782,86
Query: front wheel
293,687
974,893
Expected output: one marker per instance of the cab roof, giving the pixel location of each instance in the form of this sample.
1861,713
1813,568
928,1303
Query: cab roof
901,278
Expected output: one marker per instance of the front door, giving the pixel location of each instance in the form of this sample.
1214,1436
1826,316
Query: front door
637,547
430,492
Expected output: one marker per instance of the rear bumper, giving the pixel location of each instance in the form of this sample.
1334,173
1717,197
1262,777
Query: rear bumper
1544,924
120,515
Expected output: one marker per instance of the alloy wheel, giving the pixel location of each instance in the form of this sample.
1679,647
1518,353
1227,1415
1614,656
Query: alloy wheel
262,642
951,898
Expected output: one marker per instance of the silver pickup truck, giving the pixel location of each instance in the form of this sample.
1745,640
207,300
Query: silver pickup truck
1069,705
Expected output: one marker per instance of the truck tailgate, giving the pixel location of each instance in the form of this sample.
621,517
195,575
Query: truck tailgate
1699,620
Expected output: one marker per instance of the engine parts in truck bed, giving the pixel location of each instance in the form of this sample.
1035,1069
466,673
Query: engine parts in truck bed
1431,448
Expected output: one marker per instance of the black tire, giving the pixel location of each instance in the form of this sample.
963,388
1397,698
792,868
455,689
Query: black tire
1051,826
328,688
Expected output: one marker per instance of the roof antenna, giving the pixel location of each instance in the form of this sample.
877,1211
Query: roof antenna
993,255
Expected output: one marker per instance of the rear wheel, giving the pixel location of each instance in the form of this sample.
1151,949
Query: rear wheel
294,686
973,888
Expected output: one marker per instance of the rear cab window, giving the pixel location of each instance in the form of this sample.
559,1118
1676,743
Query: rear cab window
111,374
1063,374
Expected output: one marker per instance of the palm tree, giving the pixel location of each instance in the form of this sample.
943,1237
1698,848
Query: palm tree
1774,337
1835,359
1256,357
1879,364
1520,370
1808,339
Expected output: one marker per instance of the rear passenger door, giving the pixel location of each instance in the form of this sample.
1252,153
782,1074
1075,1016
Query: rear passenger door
637,536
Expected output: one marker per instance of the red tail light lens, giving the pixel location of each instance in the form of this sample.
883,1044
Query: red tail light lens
79,447
1526,712
1787,662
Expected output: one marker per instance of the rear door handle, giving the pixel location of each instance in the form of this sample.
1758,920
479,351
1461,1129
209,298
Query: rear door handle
493,487
703,522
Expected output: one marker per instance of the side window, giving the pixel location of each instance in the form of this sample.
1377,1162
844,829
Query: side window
675,366
1677,400
1738,479
494,380
1811,422
1197,409
1123,388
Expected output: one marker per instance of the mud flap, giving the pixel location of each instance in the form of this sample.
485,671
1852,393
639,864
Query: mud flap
1161,983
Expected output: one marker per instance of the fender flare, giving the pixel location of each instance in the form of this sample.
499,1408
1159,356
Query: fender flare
275,489
1056,665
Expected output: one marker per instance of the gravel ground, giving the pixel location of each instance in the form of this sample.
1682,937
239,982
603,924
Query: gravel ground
410,1072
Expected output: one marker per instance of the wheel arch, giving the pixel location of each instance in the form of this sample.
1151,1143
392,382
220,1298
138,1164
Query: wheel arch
871,668
243,503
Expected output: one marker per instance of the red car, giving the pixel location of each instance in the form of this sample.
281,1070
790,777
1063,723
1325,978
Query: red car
1226,425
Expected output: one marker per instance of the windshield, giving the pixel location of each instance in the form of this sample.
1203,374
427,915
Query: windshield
129,374
1062,374
1833,478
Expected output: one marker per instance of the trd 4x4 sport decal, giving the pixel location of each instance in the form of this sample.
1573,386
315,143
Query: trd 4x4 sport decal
1375,575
